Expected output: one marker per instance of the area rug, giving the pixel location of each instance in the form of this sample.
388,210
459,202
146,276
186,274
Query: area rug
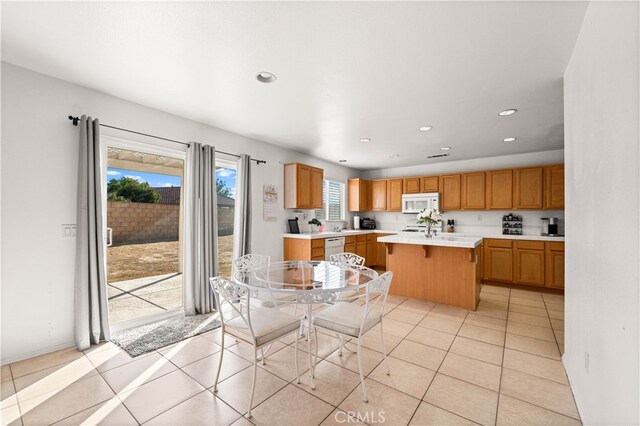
140,340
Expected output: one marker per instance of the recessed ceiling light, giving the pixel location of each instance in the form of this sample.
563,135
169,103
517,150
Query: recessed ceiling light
266,77
508,112
394,155
342,161
425,128
365,140
445,148
509,139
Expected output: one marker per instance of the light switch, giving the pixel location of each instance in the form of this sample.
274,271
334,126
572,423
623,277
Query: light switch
68,231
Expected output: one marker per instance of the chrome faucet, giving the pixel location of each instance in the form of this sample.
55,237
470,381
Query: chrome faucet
337,228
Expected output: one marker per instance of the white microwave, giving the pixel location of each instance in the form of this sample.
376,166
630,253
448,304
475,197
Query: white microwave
415,203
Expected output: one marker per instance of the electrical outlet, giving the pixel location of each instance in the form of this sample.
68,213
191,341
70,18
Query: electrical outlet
68,231
586,362
479,218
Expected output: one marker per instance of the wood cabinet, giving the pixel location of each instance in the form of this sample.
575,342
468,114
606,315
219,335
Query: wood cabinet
411,185
499,190
381,252
379,195
529,262
429,184
554,187
361,246
359,195
370,258
473,193
527,188
350,244
498,260
302,186
554,265
299,249
394,195
451,192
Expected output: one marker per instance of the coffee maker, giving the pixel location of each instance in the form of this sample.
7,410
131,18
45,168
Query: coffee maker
549,226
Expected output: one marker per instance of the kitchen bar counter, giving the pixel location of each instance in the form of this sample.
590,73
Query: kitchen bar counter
446,240
346,233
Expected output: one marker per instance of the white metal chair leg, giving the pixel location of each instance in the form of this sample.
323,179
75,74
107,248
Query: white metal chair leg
296,360
215,384
341,344
262,355
253,384
364,387
384,350
315,361
311,366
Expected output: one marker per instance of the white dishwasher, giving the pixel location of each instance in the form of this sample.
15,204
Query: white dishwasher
333,245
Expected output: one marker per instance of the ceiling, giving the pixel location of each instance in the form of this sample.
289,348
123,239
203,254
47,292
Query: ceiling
345,71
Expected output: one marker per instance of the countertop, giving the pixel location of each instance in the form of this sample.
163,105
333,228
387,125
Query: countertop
446,240
349,232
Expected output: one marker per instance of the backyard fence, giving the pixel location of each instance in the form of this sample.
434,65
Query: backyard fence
135,223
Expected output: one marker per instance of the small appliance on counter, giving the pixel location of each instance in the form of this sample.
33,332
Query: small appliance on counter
511,224
451,225
367,223
549,227
356,222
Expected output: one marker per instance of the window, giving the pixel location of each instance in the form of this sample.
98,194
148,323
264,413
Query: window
333,201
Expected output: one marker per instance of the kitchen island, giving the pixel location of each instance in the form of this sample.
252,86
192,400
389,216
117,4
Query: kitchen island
442,269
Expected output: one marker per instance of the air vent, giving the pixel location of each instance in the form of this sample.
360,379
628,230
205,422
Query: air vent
439,155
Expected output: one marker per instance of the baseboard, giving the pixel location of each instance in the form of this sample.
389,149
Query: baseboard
524,287
31,354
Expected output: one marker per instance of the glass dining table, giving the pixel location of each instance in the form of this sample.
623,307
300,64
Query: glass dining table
307,283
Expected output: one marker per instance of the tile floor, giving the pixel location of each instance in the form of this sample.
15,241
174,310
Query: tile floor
498,365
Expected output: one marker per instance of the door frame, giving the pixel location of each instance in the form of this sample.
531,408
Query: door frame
167,149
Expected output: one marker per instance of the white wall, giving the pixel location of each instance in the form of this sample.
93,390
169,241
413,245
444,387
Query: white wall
472,221
602,278
39,169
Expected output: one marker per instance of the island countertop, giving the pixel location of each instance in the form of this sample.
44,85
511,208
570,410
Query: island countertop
441,240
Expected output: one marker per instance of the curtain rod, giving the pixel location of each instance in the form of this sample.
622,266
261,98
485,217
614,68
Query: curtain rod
75,121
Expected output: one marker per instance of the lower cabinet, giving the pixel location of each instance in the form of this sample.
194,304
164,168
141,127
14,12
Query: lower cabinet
361,246
370,258
554,259
535,263
299,249
529,262
350,244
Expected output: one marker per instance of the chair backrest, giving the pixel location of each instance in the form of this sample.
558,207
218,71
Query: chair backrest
346,258
376,294
247,264
234,300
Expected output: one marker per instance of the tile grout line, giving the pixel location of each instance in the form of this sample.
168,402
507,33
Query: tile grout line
504,349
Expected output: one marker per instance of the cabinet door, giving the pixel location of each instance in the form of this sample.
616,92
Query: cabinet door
498,264
379,195
366,197
370,258
381,253
429,184
357,195
361,245
499,190
554,187
450,186
394,195
529,266
316,188
527,191
411,185
554,265
303,187
473,196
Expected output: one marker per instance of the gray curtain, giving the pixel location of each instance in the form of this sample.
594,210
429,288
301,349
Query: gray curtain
91,310
201,242
242,214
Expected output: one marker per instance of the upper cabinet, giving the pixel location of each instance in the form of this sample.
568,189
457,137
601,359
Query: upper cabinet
394,195
450,192
473,193
379,195
554,187
359,198
302,186
499,189
429,184
527,191
411,185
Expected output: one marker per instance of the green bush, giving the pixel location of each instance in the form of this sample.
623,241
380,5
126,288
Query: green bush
129,189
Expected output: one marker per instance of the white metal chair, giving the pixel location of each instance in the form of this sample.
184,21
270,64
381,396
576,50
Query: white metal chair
258,327
350,259
354,320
